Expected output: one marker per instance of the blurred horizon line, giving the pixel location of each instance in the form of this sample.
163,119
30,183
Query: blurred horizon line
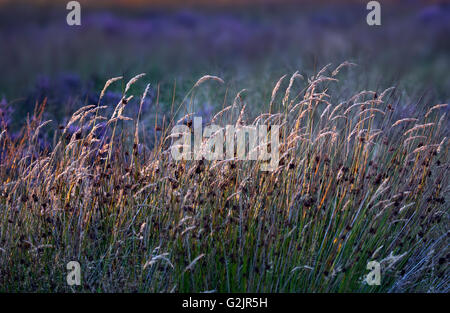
205,3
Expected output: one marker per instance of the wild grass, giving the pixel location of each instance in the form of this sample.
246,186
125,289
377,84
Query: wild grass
353,185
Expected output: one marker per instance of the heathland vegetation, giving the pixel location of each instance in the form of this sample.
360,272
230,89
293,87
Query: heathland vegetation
353,184
87,175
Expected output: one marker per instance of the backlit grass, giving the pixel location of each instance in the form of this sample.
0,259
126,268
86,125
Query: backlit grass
354,184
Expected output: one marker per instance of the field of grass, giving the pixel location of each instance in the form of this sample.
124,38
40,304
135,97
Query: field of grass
353,185
87,175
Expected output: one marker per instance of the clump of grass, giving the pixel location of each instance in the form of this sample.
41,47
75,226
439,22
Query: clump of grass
353,185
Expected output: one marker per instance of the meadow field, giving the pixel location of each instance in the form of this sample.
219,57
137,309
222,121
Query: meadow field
87,174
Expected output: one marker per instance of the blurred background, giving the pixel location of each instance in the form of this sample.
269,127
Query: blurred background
250,44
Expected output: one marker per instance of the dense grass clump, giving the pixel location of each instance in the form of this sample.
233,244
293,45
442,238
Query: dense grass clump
354,184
